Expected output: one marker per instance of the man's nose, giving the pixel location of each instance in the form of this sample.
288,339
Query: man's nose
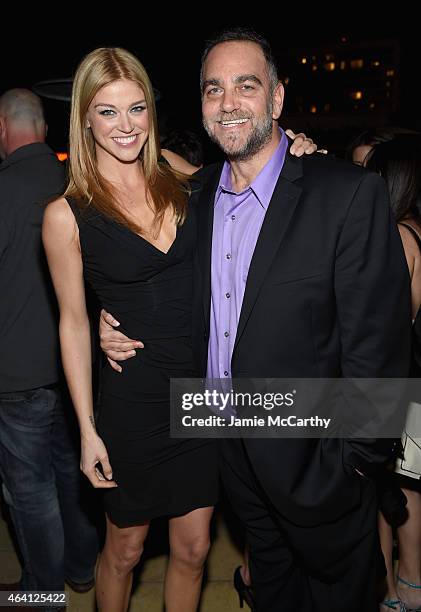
230,101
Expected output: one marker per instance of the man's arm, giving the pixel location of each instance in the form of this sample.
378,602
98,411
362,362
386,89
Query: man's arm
373,304
372,287
115,344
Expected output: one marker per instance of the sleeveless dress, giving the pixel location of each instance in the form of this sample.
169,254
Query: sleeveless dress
150,294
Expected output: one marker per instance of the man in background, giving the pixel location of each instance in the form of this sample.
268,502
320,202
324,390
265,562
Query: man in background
39,461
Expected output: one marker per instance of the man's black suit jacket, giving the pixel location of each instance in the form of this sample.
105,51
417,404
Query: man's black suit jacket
327,295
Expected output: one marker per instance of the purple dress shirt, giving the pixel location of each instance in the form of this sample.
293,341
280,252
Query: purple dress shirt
238,218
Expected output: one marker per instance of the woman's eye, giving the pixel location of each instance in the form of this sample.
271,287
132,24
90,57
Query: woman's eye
108,112
138,109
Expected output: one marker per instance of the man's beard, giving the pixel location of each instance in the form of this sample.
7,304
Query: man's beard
259,136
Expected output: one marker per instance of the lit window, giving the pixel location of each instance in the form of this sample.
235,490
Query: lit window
372,105
314,67
356,95
356,64
375,63
390,73
313,109
342,65
329,66
304,60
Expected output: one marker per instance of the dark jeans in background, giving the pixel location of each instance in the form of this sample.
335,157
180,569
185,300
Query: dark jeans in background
39,466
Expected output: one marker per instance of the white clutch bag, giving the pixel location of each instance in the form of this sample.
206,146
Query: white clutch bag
410,464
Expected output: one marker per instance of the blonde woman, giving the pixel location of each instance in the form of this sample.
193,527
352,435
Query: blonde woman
123,226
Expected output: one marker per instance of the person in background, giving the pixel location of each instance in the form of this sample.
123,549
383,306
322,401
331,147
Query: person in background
187,144
361,146
39,459
398,161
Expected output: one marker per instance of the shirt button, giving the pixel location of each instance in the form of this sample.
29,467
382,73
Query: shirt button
233,217
225,373
228,255
228,295
226,334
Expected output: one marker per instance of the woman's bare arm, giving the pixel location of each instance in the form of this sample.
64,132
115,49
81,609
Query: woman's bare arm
413,259
61,241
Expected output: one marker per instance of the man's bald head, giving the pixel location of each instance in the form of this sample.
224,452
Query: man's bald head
21,120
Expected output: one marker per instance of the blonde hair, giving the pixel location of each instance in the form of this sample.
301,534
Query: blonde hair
164,186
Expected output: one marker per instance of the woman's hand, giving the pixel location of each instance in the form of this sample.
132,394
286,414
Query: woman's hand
301,144
93,451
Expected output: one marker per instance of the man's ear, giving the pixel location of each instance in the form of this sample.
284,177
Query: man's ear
278,101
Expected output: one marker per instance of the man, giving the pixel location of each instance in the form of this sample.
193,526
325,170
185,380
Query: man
39,463
300,273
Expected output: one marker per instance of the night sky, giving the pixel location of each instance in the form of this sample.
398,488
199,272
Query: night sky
171,55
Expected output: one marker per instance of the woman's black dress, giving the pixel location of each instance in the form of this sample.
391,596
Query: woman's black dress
150,293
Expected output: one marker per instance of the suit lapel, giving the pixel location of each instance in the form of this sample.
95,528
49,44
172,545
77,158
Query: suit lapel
278,216
205,210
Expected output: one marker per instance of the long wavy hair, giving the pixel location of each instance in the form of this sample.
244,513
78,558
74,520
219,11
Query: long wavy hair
165,187
399,163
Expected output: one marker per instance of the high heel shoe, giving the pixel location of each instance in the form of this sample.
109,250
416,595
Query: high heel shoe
245,592
407,608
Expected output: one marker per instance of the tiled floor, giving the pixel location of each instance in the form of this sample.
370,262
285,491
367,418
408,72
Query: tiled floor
218,593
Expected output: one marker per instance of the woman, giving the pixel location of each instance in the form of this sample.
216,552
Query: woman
359,149
123,225
399,162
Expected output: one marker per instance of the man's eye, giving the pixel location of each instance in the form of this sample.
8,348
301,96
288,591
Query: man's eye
247,87
213,91
108,112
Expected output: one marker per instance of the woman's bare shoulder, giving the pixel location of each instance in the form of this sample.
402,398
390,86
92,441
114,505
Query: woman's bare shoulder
59,219
58,208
